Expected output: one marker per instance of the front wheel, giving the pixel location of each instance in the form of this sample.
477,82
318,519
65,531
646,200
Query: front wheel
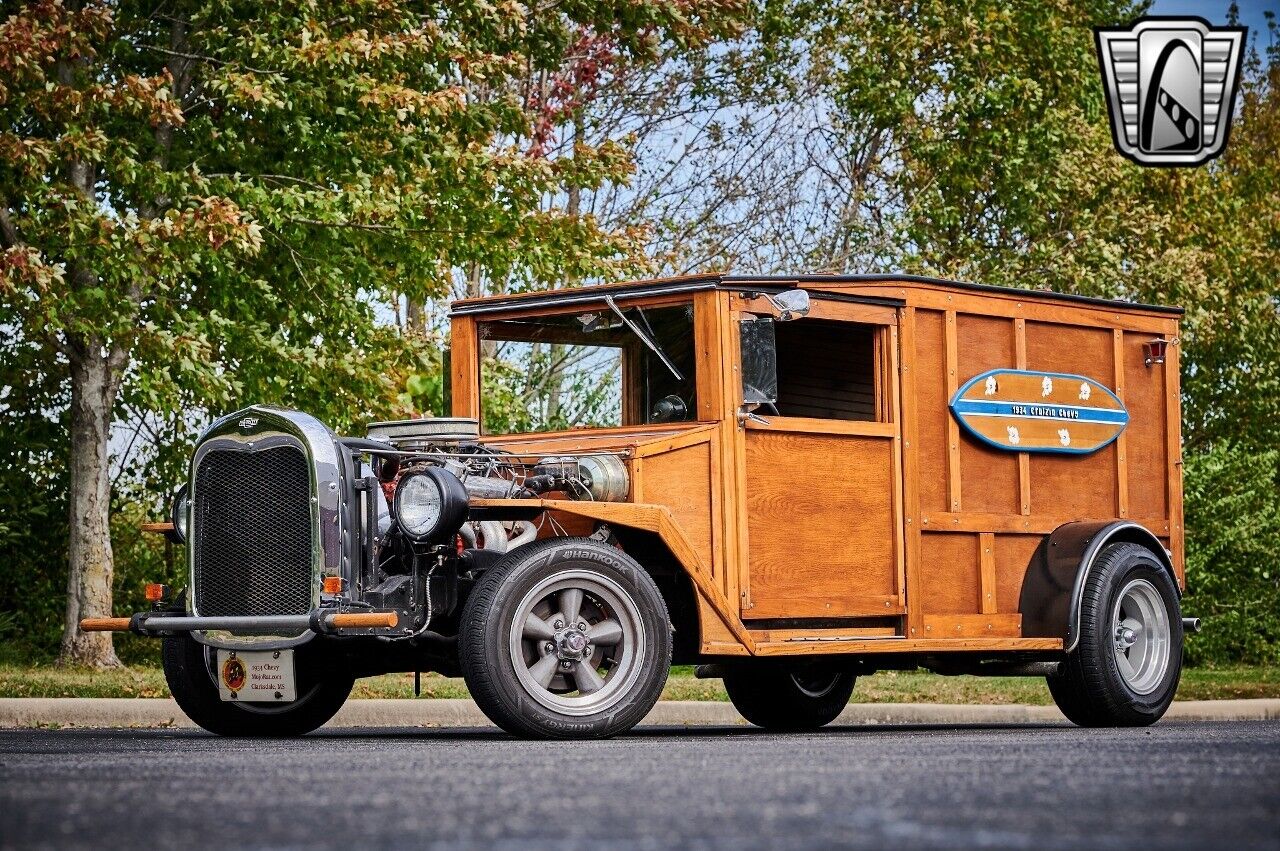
565,638
793,697
188,668
1126,665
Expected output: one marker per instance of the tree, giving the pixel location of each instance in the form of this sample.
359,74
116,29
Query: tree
203,202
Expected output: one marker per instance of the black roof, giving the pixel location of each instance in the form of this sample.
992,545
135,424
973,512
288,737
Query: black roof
767,283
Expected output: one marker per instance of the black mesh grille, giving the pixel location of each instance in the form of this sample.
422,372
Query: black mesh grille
252,533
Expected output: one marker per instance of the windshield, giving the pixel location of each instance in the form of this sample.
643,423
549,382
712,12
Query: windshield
598,368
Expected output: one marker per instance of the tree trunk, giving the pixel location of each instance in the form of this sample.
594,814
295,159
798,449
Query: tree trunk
93,390
415,313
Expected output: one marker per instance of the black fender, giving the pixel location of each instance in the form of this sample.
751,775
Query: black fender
1054,582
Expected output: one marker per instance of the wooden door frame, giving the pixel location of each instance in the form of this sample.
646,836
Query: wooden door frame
732,307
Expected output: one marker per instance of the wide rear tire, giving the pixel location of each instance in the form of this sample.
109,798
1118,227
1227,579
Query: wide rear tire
788,698
1125,668
187,669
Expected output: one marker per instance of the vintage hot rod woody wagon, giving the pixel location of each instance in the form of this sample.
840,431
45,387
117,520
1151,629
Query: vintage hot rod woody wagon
789,482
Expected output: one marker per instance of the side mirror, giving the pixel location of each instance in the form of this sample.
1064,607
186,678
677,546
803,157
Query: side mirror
759,361
790,304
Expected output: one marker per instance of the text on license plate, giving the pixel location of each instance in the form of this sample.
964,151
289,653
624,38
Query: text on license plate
256,676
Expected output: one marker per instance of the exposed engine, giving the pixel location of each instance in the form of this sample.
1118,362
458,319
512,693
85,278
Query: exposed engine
452,444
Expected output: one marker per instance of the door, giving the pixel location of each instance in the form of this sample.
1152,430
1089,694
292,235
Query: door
822,478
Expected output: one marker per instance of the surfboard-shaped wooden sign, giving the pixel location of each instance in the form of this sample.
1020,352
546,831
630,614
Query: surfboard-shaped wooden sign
1026,411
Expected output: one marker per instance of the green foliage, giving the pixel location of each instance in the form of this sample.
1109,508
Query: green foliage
1233,535
210,205
33,499
551,387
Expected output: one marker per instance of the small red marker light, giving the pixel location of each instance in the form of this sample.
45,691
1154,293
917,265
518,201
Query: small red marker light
1153,351
333,585
155,592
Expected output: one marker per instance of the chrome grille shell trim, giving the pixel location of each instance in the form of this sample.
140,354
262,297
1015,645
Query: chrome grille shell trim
259,428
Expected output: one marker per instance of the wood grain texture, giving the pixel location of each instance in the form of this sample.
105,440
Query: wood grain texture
887,344
988,476
1079,485
1024,458
1122,442
1013,304
973,626
1147,436
104,624
932,515
1013,557
952,378
931,418
768,635
951,572
820,544
910,472
364,620
736,579
1173,467
909,645
1018,524
681,480
464,367
987,564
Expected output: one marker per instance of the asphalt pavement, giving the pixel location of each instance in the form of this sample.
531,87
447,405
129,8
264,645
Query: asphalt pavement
1042,786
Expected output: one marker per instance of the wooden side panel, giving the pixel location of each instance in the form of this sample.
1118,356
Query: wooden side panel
1081,486
951,573
680,480
1013,555
818,546
932,415
989,477
1146,445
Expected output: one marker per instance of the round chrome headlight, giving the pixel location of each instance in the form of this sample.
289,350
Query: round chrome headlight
179,513
430,503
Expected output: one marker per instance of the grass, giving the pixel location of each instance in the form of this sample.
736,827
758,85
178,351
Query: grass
886,687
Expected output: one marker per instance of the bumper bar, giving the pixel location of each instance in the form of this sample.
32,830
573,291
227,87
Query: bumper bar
320,620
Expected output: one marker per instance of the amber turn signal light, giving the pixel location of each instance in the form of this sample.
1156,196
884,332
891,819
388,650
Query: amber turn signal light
155,592
333,585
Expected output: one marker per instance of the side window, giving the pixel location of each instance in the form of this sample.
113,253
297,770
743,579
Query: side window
827,370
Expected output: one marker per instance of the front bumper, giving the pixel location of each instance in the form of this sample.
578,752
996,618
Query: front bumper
319,621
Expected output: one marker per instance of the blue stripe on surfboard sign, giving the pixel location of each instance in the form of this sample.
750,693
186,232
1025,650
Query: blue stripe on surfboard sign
1037,410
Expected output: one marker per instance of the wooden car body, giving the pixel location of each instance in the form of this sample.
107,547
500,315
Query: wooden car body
904,496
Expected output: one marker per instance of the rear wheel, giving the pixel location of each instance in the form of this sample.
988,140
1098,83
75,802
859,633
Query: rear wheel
565,638
794,697
188,668
1126,665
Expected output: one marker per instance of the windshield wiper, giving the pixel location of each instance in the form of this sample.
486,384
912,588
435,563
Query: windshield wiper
644,338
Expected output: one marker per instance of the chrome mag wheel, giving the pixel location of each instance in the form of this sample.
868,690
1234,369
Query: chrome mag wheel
1140,625
577,642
